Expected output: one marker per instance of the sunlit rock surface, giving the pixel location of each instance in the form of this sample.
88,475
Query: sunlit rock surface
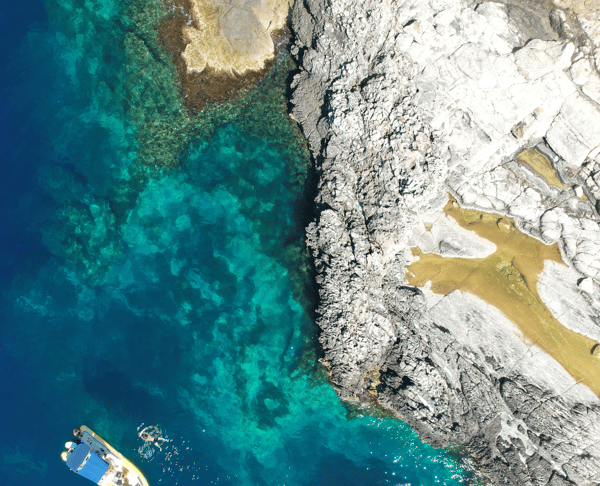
403,103
232,36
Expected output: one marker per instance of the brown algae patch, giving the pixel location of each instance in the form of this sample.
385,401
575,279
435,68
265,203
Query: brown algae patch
507,280
220,48
541,165
232,36
372,377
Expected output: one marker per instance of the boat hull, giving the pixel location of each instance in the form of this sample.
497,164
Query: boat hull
121,471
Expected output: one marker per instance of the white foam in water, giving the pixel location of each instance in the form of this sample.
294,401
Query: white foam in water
172,461
148,450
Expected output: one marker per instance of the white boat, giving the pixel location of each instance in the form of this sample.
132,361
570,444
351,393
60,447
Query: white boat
93,458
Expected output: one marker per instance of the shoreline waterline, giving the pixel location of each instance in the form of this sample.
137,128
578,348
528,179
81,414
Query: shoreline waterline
173,295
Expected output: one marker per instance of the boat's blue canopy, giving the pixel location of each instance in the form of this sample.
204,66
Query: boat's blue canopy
87,463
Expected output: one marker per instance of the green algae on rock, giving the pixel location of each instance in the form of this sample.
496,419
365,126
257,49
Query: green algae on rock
165,128
84,230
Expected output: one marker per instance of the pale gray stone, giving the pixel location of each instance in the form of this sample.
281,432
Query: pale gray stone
575,133
401,103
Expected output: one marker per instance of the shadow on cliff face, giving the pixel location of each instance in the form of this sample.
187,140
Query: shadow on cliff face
532,18
542,19
305,212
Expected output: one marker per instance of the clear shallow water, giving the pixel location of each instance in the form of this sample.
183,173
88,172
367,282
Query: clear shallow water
136,294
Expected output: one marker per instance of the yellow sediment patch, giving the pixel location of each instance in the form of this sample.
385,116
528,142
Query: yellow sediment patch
233,37
507,280
540,164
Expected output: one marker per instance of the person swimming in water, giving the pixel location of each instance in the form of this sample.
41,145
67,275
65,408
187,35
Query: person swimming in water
153,439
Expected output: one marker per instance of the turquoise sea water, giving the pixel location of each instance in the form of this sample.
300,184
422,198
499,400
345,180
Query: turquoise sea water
153,273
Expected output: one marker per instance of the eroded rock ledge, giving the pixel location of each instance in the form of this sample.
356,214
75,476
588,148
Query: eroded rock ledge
403,103
222,46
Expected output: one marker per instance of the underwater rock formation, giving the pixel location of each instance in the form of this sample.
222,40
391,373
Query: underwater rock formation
221,47
85,231
498,105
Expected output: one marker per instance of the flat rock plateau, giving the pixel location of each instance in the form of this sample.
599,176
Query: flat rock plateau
221,47
456,237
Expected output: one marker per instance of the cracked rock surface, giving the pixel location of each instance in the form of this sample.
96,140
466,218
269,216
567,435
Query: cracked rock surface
403,103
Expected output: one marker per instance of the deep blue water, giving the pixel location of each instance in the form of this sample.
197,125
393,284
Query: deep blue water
135,294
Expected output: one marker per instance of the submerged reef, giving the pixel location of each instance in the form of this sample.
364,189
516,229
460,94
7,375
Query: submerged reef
134,110
83,229
23,464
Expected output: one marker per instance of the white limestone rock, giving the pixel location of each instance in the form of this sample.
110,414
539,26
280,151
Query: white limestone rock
574,134
484,330
402,102
587,285
442,235
560,288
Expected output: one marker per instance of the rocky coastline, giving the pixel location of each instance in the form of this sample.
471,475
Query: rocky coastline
497,105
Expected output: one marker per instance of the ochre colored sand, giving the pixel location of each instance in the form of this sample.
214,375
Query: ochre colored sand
507,280
541,164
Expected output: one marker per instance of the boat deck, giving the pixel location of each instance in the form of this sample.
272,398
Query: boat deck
132,476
